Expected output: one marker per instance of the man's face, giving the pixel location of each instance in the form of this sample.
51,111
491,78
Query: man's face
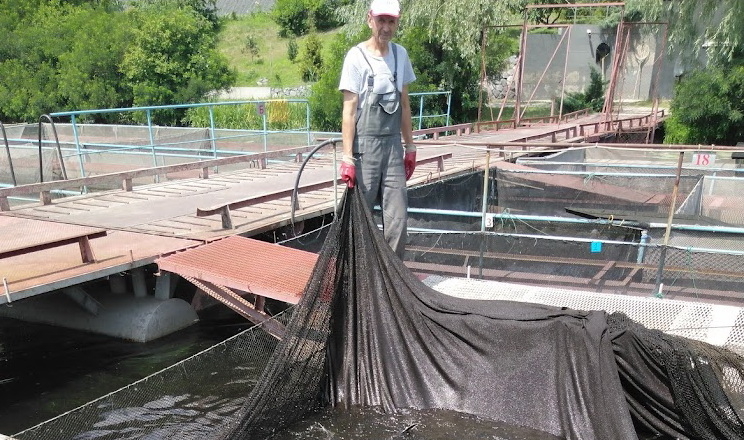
383,26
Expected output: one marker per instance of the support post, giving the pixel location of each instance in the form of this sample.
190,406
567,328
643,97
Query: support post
139,284
117,284
165,285
672,207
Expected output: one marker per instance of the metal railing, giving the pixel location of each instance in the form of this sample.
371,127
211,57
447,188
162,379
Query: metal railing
421,116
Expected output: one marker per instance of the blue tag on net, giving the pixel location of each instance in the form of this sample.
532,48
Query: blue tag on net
596,246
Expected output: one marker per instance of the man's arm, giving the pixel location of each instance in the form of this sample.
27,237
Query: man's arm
348,121
406,124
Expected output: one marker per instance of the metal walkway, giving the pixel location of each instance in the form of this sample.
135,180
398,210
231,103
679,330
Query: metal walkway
241,272
144,221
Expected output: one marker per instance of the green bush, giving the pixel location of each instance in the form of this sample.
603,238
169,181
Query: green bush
280,115
299,17
291,16
292,49
311,61
326,100
708,108
592,97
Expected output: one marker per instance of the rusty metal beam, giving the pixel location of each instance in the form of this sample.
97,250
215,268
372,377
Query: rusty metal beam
82,240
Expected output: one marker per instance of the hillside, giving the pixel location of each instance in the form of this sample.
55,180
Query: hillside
271,61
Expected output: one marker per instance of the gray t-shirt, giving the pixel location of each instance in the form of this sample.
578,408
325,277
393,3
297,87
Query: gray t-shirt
355,71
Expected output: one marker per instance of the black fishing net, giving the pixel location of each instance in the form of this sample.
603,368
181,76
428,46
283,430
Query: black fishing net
368,332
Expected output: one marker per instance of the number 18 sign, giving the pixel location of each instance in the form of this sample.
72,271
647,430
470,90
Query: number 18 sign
703,159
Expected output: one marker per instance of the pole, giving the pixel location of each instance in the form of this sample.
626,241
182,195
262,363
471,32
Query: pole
672,206
484,207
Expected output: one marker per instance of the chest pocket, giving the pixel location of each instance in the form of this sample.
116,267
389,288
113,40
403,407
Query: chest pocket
387,94
382,88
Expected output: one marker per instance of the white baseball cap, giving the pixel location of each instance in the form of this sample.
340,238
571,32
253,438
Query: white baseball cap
385,7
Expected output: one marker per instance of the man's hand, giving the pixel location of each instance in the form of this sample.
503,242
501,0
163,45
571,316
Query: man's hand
409,161
348,171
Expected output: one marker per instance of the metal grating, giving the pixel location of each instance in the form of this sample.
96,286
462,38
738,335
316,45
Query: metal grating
247,265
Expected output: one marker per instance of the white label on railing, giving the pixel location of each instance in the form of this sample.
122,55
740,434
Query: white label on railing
703,159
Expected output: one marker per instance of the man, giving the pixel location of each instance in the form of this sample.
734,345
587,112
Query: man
376,113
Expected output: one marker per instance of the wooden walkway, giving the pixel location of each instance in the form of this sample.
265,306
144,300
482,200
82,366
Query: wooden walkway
63,242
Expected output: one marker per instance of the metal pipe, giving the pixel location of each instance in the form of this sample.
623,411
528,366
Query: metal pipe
484,35
299,175
655,93
10,159
211,132
307,123
7,291
421,111
535,162
561,145
518,91
484,207
263,119
152,142
590,173
565,68
484,204
59,148
335,181
76,135
414,230
555,219
642,248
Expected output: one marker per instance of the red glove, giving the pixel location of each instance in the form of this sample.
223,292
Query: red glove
409,162
348,174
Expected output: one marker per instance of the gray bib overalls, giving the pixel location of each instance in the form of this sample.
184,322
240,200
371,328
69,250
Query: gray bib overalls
378,153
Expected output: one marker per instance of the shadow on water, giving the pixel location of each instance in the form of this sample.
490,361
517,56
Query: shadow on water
47,370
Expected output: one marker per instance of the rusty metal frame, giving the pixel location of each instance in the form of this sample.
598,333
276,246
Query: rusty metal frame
618,58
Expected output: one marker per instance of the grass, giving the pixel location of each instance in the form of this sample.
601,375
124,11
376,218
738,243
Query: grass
272,61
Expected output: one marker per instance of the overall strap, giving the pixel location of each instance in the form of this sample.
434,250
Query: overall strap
371,78
395,64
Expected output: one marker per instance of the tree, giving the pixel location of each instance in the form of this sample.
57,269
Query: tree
251,46
298,17
311,60
326,100
171,58
708,108
455,25
88,74
715,26
205,8
83,54
292,49
58,56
